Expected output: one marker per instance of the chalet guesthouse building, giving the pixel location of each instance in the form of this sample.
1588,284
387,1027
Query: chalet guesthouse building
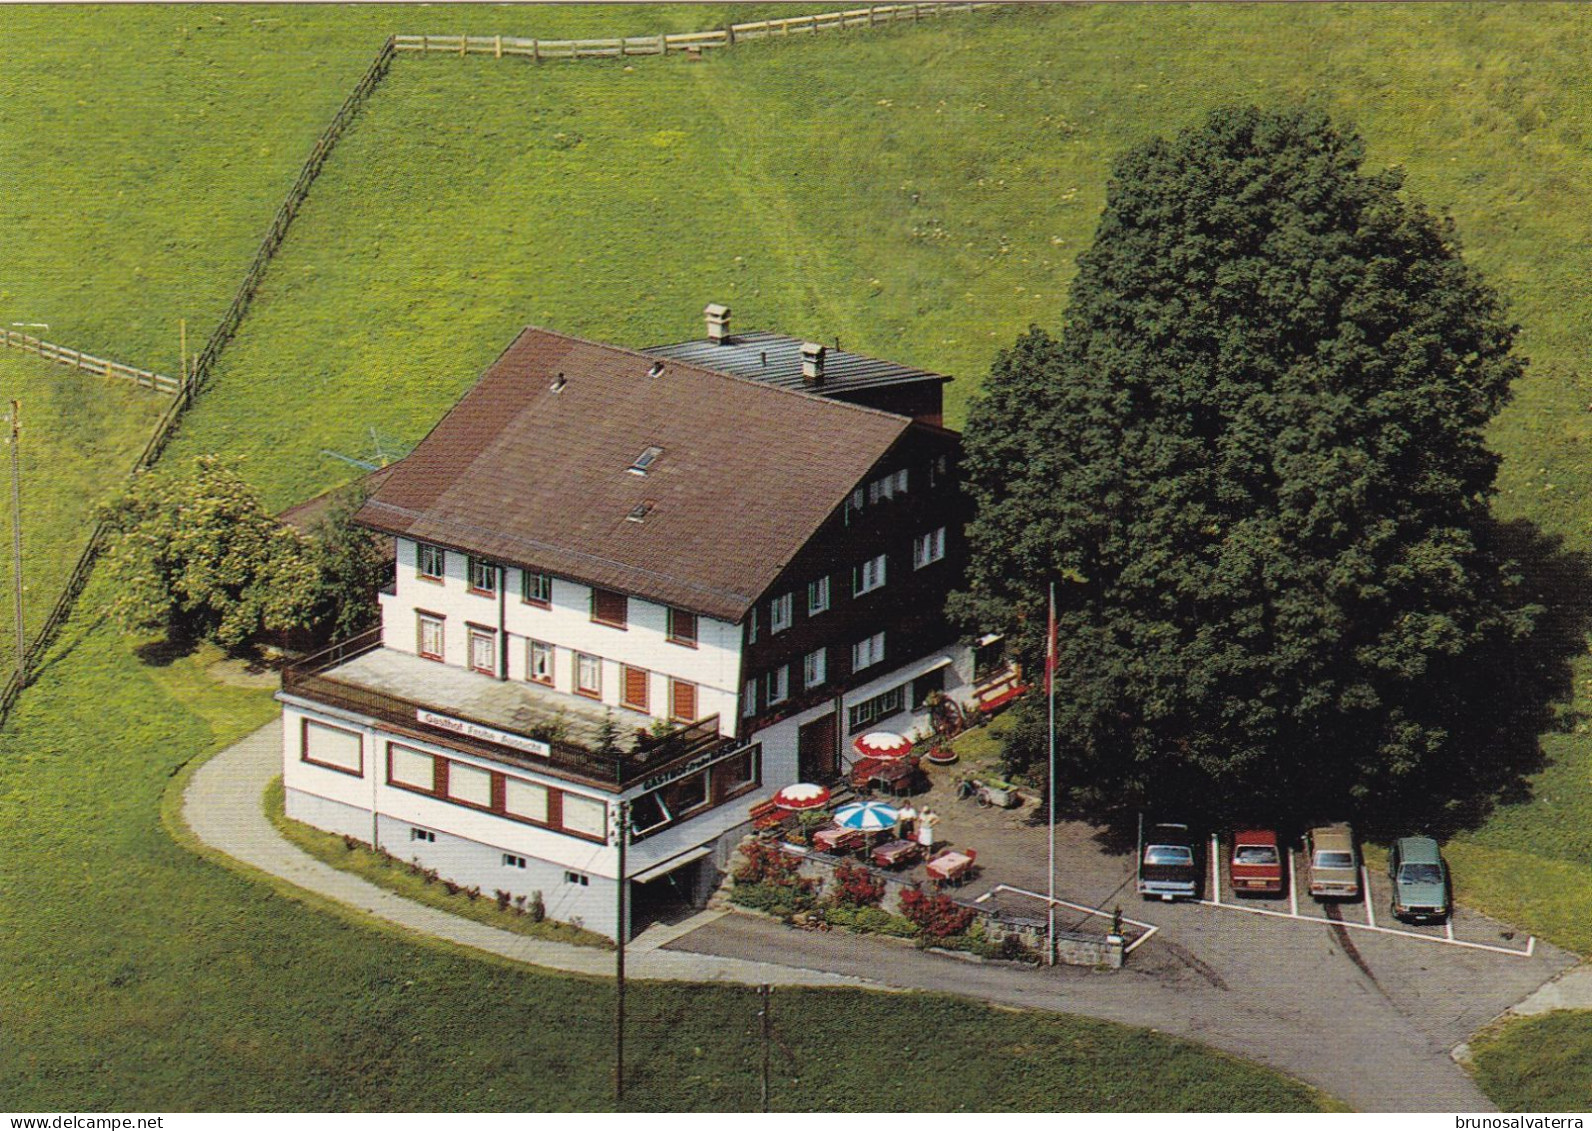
678,579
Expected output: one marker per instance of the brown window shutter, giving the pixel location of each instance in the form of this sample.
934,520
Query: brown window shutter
684,697
636,688
608,607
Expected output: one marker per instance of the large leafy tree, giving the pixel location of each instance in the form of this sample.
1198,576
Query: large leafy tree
194,553
1253,462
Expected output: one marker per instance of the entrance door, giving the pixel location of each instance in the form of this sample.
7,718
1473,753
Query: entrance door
815,750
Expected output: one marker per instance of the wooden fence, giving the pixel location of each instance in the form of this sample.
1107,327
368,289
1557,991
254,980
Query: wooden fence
96,365
203,365
501,46
496,45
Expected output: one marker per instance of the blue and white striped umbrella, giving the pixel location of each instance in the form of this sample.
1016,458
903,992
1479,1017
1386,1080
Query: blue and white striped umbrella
869,816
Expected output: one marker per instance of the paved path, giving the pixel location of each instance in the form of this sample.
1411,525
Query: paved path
1370,1019
223,806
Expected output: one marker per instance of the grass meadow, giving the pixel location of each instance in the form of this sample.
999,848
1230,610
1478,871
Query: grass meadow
920,193
80,436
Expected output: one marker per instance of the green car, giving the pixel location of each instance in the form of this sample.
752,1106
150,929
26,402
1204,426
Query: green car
1420,880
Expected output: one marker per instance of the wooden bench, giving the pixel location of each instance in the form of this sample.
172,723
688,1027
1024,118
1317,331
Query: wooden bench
1001,693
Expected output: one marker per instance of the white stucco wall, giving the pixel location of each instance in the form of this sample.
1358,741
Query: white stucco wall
714,665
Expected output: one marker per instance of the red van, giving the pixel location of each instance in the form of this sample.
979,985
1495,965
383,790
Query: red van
1255,866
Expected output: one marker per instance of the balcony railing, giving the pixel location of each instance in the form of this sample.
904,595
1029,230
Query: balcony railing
651,756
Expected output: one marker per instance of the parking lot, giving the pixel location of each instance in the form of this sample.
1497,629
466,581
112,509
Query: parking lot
1462,928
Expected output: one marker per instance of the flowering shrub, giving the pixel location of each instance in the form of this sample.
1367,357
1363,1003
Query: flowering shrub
766,879
855,887
763,863
937,916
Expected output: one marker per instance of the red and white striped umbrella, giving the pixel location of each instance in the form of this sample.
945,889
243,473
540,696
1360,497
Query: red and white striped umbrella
802,795
882,745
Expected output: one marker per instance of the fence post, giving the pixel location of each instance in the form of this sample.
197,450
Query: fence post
497,47
729,35
536,50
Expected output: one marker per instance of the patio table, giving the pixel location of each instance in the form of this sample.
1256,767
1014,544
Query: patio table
892,776
834,838
950,867
894,853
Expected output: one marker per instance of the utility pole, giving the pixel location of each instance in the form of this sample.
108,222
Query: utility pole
16,538
619,980
766,992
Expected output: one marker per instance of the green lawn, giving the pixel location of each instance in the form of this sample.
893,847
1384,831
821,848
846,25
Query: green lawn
1541,1063
146,147
80,436
919,192
140,976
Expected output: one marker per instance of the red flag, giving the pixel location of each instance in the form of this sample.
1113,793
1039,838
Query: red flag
1050,645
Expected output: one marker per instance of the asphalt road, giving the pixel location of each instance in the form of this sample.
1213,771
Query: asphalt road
1365,1017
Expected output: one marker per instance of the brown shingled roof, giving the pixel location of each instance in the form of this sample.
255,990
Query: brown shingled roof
521,474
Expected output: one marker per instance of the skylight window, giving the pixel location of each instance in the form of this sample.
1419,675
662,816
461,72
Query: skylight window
639,512
645,461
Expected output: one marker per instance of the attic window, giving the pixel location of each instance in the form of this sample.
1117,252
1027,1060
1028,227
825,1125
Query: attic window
656,370
639,512
644,461
558,383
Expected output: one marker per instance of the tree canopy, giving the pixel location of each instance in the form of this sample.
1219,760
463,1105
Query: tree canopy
1253,462
193,553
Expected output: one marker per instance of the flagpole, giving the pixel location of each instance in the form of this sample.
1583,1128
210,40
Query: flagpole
1050,691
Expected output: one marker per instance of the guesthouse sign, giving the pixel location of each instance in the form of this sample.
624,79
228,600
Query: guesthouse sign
485,734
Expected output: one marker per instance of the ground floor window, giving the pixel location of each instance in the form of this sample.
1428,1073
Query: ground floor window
423,834
870,711
512,861
585,815
470,784
414,769
577,878
334,748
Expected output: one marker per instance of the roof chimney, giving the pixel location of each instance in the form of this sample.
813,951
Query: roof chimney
812,363
718,317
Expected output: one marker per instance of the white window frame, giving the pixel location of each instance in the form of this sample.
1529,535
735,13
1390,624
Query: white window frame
512,861
867,652
548,653
815,668
780,612
532,583
818,596
870,575
597,666
749,699
422,621
477,635
483,570
928,548
776,684
424,550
